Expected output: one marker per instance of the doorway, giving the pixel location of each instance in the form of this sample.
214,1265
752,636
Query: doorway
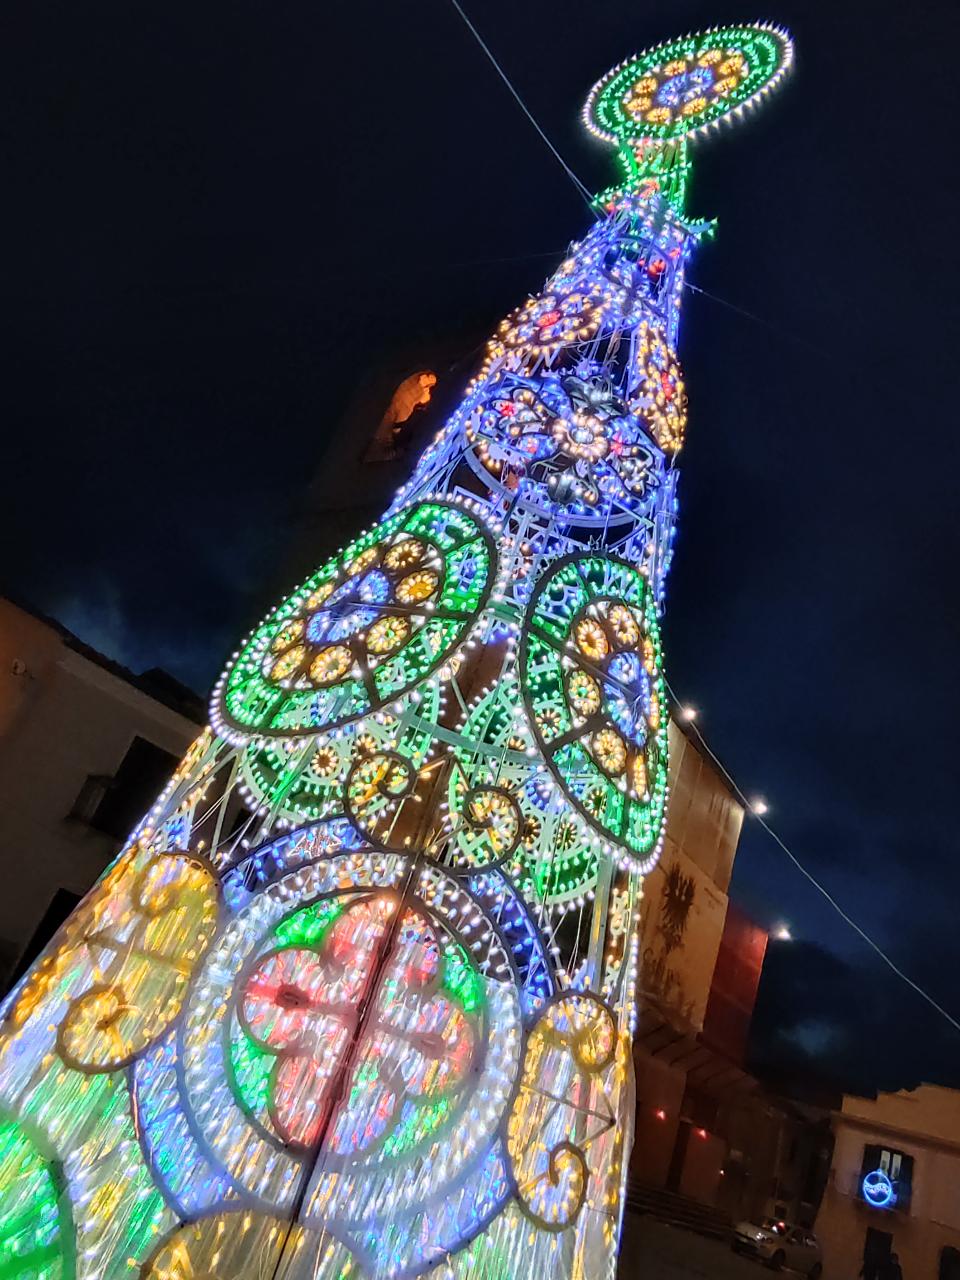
877,1247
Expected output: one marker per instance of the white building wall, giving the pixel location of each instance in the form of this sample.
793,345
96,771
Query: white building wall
63,717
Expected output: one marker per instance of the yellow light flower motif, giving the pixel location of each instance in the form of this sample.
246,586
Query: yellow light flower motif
591,639
584,693
287,634
640,776
288,663
653,719
330,664
610,752
624,626
638,105
363,561
597,801
325,762
649,656
387,634
694,107
417,586
566,836
659,115
734,65
548,719
404,554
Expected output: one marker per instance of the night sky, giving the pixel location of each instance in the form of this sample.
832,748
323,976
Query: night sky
218,215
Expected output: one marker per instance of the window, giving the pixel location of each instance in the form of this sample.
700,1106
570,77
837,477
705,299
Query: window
114,805
877,1247
886,1178
412,394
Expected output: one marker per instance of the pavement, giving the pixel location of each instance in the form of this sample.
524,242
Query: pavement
650,1250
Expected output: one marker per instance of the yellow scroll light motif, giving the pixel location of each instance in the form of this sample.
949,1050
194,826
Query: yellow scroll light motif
227,1245
133,945
376,789
562,1108
487,824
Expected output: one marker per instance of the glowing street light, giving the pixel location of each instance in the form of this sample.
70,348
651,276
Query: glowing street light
759,806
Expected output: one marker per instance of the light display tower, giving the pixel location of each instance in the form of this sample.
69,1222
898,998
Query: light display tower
356,998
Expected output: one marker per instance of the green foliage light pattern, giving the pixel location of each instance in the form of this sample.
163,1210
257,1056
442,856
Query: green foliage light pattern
556,861
592,684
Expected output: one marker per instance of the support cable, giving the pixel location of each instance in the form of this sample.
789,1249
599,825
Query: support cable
824,893
583,190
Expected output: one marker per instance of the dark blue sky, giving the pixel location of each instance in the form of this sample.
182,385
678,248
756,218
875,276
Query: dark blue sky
217,216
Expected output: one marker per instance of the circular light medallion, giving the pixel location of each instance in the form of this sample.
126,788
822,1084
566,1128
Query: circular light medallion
878,1190
595,697
351,1010
681,88
365,628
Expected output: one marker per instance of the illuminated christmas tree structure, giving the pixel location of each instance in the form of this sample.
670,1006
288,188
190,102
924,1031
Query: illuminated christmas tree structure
356,998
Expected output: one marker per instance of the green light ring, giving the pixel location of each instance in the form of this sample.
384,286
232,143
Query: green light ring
246,704
631,824
767,49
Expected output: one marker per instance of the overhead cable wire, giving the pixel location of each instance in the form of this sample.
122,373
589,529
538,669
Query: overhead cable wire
581,188
749,315
808,875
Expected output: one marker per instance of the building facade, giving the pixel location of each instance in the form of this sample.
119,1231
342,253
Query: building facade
706,1129
84,746
894,1186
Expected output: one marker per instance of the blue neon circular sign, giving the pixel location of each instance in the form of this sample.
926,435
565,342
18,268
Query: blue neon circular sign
878,1190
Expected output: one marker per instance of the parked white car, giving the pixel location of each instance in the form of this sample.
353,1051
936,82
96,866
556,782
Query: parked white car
780,1245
